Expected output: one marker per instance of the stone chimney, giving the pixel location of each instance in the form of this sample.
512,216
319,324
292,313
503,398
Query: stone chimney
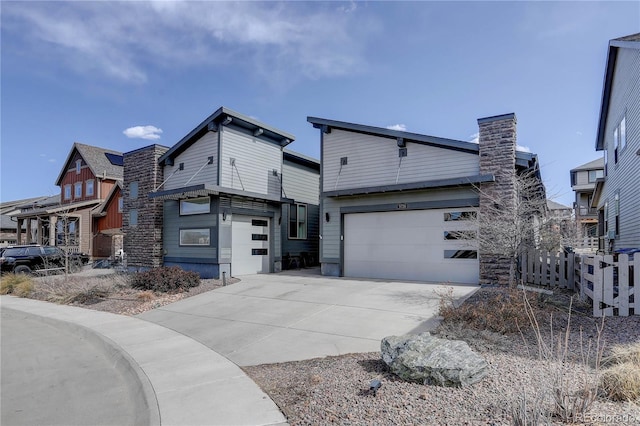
498,158
142,240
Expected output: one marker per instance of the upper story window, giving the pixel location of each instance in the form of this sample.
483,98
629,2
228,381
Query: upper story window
574,178
195,206
595,174
133,190
88,189
67,192
78,166
298,221
77,190
619,138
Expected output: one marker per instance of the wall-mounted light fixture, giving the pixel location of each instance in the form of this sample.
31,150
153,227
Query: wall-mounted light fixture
327,216
401,143
224,215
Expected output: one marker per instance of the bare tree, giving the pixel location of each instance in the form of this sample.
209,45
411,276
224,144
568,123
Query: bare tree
510,223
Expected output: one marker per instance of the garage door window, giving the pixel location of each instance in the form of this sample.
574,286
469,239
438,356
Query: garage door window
455,216
460,254
298,221
460,235
195,237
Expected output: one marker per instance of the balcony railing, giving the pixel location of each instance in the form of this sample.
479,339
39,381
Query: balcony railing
587,211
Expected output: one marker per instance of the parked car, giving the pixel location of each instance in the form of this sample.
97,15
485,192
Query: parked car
30,258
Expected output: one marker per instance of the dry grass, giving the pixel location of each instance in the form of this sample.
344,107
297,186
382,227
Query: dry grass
20,285
75,289
146,296
621,380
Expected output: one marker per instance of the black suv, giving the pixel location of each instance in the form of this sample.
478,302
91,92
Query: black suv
27,259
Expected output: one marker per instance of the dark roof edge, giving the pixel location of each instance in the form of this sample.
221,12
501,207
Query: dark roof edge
469,147
508,116
186,141
412,186
301,159
612,55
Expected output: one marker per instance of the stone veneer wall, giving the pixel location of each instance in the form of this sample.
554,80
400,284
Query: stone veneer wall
143,242
497,157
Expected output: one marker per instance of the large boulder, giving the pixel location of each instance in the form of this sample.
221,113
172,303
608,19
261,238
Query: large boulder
426,359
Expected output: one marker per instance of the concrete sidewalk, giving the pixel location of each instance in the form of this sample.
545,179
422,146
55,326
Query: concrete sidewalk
172,379
283,317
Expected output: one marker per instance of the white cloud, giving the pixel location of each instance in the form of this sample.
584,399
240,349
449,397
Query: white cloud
52,160
474,138
122,40
523,148
400,127
143,132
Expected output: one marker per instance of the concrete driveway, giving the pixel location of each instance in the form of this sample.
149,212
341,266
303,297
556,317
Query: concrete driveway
283,317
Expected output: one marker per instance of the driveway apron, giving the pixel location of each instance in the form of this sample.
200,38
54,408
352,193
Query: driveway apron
273,318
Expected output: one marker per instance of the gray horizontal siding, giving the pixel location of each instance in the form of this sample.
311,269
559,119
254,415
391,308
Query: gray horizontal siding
625,176
300,183
374,161
173,222
194,158
330,243
255,161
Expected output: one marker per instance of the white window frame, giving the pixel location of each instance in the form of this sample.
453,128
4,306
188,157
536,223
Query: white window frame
191,206
301,227
203,241
77,190
78,166
89,185
67,191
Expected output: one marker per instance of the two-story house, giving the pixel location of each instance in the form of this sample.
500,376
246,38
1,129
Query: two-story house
617,196
583,183
88,176
400,205
226,199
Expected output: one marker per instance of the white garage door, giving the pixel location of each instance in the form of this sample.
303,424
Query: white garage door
249,245
424,245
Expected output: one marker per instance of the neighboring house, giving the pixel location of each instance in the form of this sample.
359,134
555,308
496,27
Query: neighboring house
107,224
86,179
583,182
215,202
399,205
617,196
9,226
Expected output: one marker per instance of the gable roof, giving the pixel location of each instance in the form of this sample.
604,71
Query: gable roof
223,117
523,159
552,205
102,207
596,164
101,161
628,42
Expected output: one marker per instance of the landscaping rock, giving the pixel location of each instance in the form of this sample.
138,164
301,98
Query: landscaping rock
427,359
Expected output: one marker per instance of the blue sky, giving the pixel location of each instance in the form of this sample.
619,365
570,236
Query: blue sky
124,75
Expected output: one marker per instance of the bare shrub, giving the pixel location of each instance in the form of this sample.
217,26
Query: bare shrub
621,379
502,311
573,387
165,279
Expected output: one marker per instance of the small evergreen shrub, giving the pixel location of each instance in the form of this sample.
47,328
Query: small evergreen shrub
165,279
